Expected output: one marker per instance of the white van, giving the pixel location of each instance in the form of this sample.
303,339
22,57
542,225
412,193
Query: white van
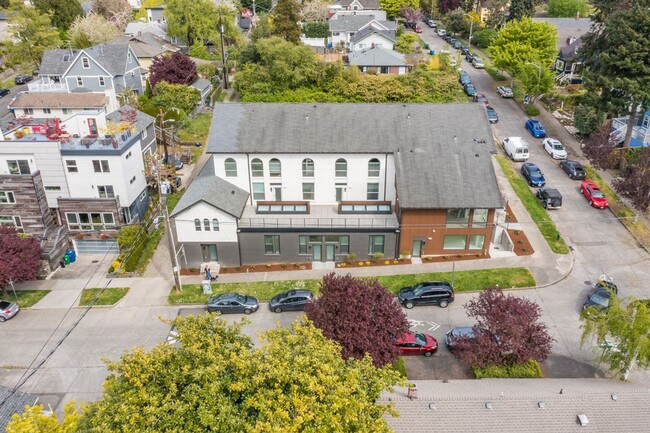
441,32
516,148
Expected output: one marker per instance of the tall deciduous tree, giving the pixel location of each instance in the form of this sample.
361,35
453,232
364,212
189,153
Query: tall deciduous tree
179,96
361,315
406,43
535,81
513,332
21,256
520,9
92,30
199,21
456,22
393,7
448,5
498,11
31,34
175,69
636,184
628,327
62,12
315,11
567,8
284,21
118,12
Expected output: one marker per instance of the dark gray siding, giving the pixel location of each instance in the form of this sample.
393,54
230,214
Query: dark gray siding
228,253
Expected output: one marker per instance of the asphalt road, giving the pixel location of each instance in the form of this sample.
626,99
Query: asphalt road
4,101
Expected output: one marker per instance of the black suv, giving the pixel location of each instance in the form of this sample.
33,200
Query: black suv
430,293
292,300
23,79
4,92
550,198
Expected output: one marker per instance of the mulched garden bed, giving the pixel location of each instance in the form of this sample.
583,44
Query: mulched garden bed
521,243
373,263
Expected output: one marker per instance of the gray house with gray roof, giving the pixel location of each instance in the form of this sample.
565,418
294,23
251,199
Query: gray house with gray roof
344,28
378,60
318,182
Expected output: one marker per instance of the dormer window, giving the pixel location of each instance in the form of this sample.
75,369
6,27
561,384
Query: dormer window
85,63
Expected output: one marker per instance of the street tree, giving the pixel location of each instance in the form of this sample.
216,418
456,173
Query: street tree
512,331
621,334
456,22
484,37
498,11
406,43
92,30
180,96
567,8
448,5
535,81
393,7
119,12
284,21
31,34
411,15
62,12
315,11
175,69
520,9
21,257
361,315
635,185
601,151
522,42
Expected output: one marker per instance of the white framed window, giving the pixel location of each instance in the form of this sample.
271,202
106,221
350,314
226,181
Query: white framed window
307,167
28,111
230,165
457,218
143,134
8,220
71,166
18,166
480,218
258,191
47,111
257,168
7,197
85,63
67,111
215,225
476,242
128,56
143,195
90,221
271,244
454,242
105,191
206,224
197,225
341,168
373,167
52,188
376,244
101,166
102,83
80,81
373,191
308,191
275,168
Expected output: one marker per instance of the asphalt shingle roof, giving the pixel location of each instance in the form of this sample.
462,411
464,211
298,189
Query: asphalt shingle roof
367,4
215,191
442,151
352,23
14,404
569,52
376,56
64,100
112,57
370,30
200,84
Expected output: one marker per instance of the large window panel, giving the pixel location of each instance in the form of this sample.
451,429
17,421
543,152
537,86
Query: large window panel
307,191
376,244
275,168
257,168
454,242
373,167
230,166
271,244
476,242
258,191
457,218
480,218
373,191
341,168
302,244
307,167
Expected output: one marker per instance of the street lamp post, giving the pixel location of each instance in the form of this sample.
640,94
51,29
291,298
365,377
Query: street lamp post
471,28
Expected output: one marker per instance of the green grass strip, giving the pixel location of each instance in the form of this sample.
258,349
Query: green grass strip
109,297
464,281
27,298
534,208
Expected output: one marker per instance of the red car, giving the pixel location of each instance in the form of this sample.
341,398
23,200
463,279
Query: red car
418,29
415,343
593,194
479,97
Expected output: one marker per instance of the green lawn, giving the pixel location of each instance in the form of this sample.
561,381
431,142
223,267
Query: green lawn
26,298
536,211
109,297
197,129
464,281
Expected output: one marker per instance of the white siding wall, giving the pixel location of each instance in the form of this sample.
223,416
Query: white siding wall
186,231
324,176
372,39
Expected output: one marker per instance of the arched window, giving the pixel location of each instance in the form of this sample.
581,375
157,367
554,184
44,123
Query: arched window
257,168
231,167
307,167
206,225
215,225
341,168
373,167
275,168
197,225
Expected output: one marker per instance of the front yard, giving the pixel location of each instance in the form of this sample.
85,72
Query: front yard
26,298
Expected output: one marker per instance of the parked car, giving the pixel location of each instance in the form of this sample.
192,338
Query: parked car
418,29
469,89
536,128
469,56
431,24
479,97
593,194
232,303
178,164
441,32
454,334
573,169
550,198
458,45
8,310
516,148
464,50
505,92
23,79
492,115
600,295
554,148
477,62
533,175
429,293
4,92
291,300
415,343
464,78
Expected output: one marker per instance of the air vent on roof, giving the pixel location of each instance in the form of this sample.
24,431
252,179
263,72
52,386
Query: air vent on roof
489,406
541,405
582,419
66,58
432,406
614,397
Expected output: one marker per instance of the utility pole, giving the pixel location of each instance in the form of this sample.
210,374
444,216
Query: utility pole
254,8
170,238
164,137
223,56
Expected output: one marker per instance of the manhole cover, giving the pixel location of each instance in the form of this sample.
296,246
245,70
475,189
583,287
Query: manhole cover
95,261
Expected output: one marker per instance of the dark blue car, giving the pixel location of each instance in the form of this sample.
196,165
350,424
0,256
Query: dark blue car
469,89
536,128
533,175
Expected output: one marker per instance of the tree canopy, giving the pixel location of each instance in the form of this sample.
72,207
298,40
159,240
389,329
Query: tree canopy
284,21
393,7
21,256
406,43
175,69
520,9
31,35
167,95
62,12
361,315
567,8
215,380
199,20
92,30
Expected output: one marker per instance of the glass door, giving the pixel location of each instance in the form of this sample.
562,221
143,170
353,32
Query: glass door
318,252
329,252
417,248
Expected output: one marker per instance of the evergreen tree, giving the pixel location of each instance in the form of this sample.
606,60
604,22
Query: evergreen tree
63,12
520,9
31,34
285,21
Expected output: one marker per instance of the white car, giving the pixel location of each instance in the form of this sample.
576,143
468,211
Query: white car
441,32
554,148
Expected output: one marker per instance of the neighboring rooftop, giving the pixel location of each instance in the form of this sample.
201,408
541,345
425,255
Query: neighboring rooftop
366,4
370,30
137,28
352,23
569,52
112,57
568,28
60,100
376,56
15,403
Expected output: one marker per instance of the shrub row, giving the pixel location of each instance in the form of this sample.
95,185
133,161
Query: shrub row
530,370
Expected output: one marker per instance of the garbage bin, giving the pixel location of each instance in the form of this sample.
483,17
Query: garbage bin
72,254
432,52
426,46
66,259
207,287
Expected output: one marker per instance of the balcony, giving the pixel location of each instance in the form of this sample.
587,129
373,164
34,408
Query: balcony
640,133
40,86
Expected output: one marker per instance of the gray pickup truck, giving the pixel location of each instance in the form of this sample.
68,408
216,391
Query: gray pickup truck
550,198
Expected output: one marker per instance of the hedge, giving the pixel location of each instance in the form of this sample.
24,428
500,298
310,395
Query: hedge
530,369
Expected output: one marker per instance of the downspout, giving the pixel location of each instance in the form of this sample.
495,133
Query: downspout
385,173
250,180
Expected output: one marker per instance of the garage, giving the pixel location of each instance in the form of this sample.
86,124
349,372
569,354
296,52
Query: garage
98,246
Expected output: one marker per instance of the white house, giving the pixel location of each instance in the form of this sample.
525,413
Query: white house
344,28
372,37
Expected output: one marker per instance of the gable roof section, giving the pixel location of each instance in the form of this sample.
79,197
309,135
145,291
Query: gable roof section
354,23
140,47
215,191
112,57
376,56
446,164
62,100
15,403
570,51
200,84
156,28
366,4
56,62
370,30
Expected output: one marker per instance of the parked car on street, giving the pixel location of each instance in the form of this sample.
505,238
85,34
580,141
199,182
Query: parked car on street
469,89
550,198
479,97
23,79
458,45
441,32
453,335
431,23
492,115
415,343
516,148
464,78
469,56
533,175
573,169
477,62
600,295
8,310
593,194
464,50
554,148
418,29
429,293
178,164
536,128
4,92
505,91
291,300
232,303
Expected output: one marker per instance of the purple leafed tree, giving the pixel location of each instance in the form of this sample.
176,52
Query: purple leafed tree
513,332
175,69
361,315
636,184
411,15
21,257
448,5
600,149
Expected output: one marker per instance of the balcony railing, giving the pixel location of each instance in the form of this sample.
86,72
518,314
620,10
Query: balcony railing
40,86
639,132
323,223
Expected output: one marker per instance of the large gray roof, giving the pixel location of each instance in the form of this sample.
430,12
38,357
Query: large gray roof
443,151
112,57
56,62
215,191
367,4
15,403
359,36
352,23
376,56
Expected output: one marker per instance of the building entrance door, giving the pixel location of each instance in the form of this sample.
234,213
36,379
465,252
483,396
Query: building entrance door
329,252
318,252
417,249
209,252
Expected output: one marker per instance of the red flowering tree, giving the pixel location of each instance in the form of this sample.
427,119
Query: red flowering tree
508,331
361,315
21,257
175,69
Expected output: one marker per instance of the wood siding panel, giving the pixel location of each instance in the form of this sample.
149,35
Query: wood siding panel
31,203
